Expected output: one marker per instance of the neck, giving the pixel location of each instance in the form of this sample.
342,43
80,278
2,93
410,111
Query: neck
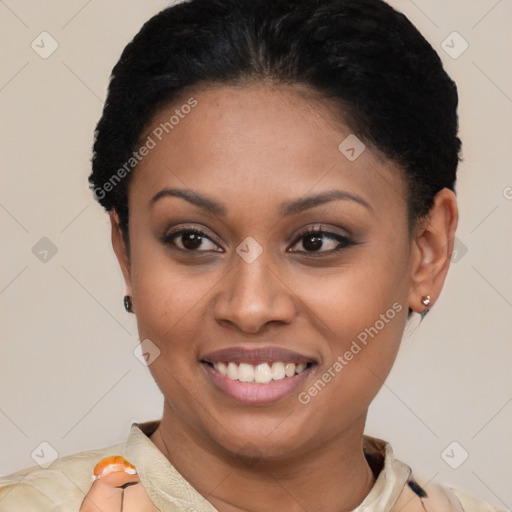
333,476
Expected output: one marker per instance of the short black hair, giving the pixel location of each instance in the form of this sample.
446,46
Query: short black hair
362,54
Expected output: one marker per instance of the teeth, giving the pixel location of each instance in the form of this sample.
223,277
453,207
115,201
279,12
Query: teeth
278,372
232,371
299,368
246,372
222,368
261,374
289,369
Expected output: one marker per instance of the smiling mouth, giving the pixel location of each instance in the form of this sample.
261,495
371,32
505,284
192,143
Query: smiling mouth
262,373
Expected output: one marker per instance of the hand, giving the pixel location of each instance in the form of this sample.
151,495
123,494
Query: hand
116,488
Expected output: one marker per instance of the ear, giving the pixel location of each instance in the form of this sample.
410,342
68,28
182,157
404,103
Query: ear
432,248
121,250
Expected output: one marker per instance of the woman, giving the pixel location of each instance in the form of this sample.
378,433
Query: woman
279,177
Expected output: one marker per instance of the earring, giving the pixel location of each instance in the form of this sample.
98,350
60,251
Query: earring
128,303
426,300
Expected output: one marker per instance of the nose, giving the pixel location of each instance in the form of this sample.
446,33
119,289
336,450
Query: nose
253,295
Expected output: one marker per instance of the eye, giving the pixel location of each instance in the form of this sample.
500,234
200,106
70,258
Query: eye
314,239
190,239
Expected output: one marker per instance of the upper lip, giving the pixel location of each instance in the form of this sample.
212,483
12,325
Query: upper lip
256,356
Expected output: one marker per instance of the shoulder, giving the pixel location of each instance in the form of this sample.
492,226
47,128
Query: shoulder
398,487
436,497
60,487
471,504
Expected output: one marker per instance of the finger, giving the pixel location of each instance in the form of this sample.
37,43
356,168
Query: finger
102,497
136,499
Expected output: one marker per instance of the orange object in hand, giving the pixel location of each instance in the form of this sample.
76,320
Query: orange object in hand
116,488
111,465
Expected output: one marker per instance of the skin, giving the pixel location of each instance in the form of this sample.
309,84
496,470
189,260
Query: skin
115,490
252,148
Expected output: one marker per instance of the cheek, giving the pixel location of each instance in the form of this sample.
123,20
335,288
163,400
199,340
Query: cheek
368,313
369,294
167,296
361,313
168,301
362,343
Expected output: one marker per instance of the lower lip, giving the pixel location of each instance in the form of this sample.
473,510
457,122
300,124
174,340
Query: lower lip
257,394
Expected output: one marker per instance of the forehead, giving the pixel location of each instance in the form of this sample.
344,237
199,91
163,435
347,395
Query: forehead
261,144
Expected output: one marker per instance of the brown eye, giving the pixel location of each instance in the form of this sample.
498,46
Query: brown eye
190,240
313,240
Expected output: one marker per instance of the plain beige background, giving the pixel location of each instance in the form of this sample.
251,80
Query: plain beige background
68,373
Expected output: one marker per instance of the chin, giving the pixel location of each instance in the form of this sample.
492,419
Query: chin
262,441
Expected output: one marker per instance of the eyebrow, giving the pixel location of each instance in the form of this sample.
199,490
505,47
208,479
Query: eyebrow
287,208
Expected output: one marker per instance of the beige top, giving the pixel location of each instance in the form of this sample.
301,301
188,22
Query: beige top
62,486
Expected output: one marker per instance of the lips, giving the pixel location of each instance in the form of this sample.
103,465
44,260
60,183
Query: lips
257,376
257,356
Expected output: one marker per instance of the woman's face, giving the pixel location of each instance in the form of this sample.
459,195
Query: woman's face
257,172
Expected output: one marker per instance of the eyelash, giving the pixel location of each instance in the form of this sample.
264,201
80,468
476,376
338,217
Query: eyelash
344,241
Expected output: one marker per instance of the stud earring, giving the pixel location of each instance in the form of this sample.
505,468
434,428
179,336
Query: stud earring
128,303
426,300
